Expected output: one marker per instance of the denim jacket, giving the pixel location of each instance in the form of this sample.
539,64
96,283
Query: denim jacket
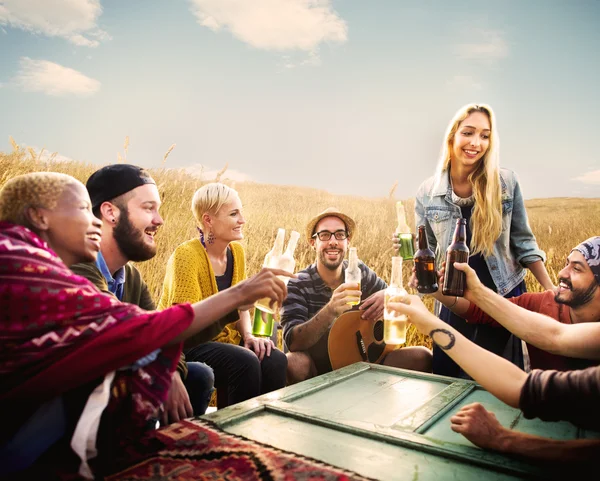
515,248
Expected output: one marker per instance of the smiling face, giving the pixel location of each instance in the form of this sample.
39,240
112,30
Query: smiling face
471,140
577,285
227,223
71,229
138,223
331,253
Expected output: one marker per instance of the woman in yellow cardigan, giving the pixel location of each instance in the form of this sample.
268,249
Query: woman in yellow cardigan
244,366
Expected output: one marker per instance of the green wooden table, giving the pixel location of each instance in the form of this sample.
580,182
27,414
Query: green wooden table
388,424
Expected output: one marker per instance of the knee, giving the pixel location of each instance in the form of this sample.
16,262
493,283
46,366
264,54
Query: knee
300,367
415,358
247,361
421,359
277,360
199,372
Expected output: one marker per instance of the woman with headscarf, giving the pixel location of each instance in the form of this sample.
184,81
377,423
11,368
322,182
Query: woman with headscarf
69,353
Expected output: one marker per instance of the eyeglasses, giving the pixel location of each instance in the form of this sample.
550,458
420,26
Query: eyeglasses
325,235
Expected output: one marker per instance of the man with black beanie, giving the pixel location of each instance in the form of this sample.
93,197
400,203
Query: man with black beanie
126,199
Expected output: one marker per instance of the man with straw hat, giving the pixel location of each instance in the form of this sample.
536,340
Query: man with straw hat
319,295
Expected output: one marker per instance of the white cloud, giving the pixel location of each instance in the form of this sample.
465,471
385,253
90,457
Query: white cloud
592,178
53,79
274,25
489,46
74,20
464,81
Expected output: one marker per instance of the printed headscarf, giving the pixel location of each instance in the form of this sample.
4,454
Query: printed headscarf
591,251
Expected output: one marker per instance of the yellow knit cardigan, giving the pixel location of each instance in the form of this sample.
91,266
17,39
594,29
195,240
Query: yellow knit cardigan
190,278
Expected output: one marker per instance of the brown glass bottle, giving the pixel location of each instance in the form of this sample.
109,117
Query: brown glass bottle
454,280
425,265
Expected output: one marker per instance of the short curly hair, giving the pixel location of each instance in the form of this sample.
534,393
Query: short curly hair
37,189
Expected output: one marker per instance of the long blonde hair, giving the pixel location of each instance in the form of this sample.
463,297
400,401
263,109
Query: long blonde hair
486,221
209,199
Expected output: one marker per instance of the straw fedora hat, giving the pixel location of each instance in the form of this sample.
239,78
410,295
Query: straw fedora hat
330,212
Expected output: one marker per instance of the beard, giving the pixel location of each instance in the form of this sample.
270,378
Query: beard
579,297
131,240
331,265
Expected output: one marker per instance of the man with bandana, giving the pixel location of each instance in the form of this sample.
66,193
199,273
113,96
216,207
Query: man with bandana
551,395
575,301
126,199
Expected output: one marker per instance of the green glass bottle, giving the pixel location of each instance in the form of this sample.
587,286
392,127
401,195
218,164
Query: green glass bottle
263,323
406,239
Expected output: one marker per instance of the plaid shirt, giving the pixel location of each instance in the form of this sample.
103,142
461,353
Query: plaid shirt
307,295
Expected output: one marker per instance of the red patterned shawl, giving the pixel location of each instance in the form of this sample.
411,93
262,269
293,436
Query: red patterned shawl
58,332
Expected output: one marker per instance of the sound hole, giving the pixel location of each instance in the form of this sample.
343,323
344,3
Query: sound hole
378,331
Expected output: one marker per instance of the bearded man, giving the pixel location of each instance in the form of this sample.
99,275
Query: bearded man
575,301
126,199
319,295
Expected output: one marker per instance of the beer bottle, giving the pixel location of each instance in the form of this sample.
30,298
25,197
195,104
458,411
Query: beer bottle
454,280
278,259
404,234
272,260
353,273
394,325
425,265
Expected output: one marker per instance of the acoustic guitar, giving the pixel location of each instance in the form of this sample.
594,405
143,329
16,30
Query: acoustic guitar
352,339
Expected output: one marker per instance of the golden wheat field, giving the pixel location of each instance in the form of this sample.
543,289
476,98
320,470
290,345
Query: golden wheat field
558,223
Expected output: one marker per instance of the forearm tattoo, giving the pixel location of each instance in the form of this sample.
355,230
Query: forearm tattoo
448,345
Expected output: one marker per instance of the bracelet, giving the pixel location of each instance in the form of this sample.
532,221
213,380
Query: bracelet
454,303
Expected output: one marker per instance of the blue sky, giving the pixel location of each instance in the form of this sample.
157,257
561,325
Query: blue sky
344,95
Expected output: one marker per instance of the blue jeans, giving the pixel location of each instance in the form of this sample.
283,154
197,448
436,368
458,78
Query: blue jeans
200,384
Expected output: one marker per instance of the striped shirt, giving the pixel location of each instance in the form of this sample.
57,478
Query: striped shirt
307,295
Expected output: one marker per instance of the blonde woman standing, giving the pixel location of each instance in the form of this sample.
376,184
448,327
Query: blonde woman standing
244,366
470,184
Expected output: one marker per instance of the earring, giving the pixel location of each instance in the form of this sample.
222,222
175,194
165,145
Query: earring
210,238
113,221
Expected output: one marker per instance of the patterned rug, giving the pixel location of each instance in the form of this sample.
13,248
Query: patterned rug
200,451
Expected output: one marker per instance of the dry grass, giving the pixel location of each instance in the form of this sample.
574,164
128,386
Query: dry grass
558,224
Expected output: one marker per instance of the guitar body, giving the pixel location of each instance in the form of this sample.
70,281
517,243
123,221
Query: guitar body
352,339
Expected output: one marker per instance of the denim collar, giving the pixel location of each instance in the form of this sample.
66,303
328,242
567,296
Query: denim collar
115,284
444,188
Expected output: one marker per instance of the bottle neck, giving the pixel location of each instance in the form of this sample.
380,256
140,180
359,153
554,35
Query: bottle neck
460,234
396,279
402,227
352,258
292,243
278,245
423,244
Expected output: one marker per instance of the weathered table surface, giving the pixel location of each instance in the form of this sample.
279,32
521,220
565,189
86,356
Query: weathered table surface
387,423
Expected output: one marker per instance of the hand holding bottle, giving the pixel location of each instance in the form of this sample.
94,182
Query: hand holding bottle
265,284
342,298
418,314
473,286
276,258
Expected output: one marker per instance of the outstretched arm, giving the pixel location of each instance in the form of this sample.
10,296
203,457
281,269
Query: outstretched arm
497,375
573,340
264,284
